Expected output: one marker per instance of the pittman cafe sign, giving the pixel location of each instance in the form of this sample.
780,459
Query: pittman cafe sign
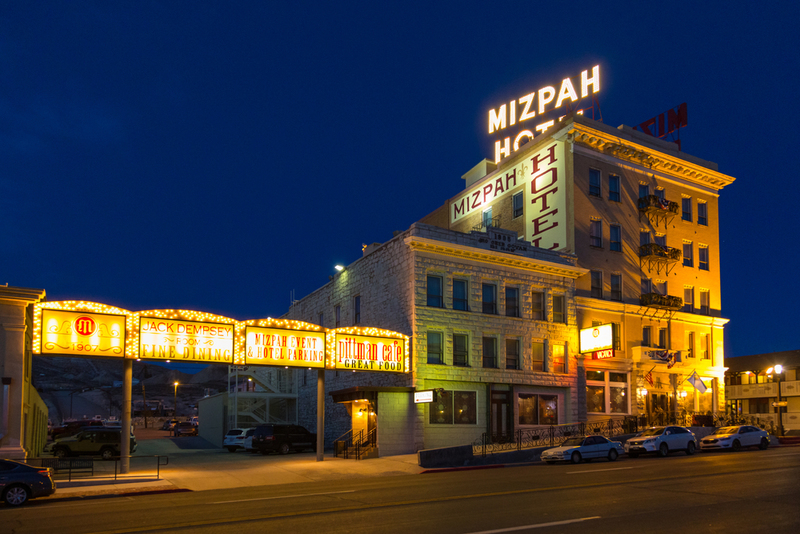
78,328
597,341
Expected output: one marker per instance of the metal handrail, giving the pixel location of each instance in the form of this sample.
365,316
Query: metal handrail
74,465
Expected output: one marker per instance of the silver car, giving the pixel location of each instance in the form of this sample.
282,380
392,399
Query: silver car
587,448
662,440
735,438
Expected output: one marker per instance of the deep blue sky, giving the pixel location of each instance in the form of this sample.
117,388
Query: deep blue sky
218,156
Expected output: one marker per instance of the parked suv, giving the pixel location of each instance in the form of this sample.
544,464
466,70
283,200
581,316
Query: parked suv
283,438
185,428
70,428
662,440
90,442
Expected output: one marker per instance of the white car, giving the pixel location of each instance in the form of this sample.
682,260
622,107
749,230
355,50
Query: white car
248,440
662,440
585,448
735,438
234,439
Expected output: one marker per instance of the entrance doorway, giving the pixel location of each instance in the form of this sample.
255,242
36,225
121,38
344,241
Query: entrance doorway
500,419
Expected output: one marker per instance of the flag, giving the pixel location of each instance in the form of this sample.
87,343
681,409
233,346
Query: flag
663,203
649,377
696,382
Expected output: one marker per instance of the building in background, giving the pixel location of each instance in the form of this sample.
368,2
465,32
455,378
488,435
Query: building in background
753,394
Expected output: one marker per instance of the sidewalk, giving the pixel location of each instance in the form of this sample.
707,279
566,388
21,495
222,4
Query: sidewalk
195,465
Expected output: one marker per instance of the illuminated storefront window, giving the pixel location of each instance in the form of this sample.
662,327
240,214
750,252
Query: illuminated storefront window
537,409
454,408
606,392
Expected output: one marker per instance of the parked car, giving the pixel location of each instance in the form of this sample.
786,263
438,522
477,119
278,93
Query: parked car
234,439
70,428
90,442
184,428
169,424
735,438
195,420
662,440
283,438
583,448
248,440
20,482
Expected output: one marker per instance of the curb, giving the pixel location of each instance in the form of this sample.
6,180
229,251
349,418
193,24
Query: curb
476,467
92,496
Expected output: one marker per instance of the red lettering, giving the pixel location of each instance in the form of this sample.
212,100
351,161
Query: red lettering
551,156
486,190
458,209
537,187
543,196
476,199
540,220
511,177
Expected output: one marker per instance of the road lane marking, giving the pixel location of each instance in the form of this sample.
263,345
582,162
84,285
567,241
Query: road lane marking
537,525
600,470
284,497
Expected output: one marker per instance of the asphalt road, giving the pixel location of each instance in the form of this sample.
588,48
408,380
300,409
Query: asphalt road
751,491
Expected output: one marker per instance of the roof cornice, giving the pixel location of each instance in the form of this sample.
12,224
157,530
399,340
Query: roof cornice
649,157
431,246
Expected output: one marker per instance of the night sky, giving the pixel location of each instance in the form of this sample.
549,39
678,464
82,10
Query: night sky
218,156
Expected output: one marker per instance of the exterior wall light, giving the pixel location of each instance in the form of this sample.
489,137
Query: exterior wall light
339,268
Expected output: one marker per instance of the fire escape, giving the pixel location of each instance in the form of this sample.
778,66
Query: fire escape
657,257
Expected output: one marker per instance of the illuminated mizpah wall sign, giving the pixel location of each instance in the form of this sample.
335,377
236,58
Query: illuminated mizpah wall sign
278,346
542,102
369,353
83,333
543,176
597,338
175,339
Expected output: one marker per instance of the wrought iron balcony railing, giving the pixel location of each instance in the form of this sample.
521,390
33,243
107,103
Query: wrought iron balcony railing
657,252
657,300
494,222
656,203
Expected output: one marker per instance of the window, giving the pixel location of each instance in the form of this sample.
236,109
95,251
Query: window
688,299
660,192
489,298
606,392
690,344
512,353
660,287
460,298
597,284
662,338
454,408
487,217
517,204
615,340
661,240
338,313
357,309
594,182
688,258
646,336
647,286
616,287
644,190
702,257
613,188
537,306
435,348
460,354
321,320
705,302
596,233
616,238
558,362
559,309
435,291
704,353
536,409
490,352
512,302
702,213
537,356
686,209
644,237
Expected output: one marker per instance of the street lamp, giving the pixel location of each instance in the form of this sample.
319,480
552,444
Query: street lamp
175,401
778,371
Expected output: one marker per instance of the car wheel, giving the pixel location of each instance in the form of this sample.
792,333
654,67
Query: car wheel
284,449
576,457
690,448
16,495
764,444
60,452
612,455
107,453
736,447
663,450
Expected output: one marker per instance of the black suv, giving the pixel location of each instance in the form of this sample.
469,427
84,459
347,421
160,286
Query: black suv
283,438
89,442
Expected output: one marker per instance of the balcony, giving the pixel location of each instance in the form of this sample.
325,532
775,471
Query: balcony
653,255
662,302
494,222
657,209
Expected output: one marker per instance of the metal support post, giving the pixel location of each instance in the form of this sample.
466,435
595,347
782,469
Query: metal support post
125,431
320,414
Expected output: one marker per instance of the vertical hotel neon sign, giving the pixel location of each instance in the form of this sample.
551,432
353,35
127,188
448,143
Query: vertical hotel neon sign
538,103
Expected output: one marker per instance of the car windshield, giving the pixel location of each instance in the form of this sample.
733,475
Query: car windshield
233,432
573,442
726,430
653,431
